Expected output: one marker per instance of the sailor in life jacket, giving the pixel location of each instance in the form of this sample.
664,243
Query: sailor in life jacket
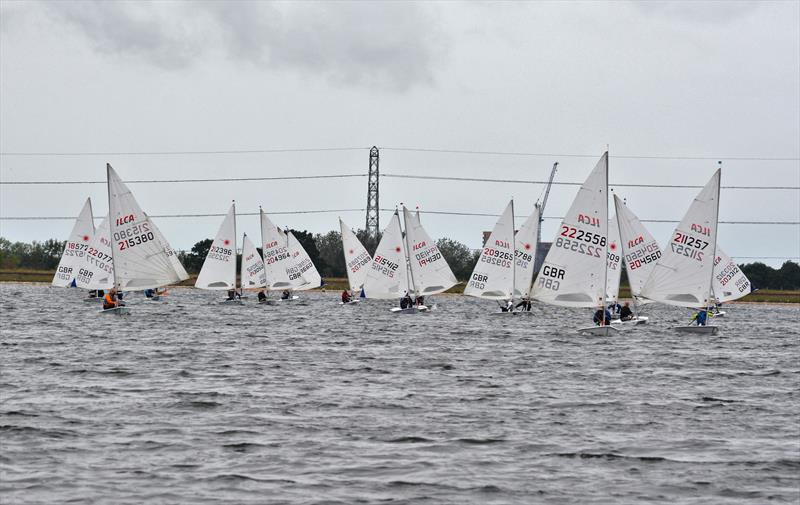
111,300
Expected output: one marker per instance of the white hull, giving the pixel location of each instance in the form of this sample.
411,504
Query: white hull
631,322
351,302
290,299
700,330
598,331
721,313
117,311
411,310
232,302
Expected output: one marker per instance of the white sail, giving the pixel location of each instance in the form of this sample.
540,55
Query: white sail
430,273
97,268
356,257
574,272
140,253
640,250
525,254
386,274
683,275
276,255
219,267
170,253
301,270
75,248
253,275
493,275
614,261
730,283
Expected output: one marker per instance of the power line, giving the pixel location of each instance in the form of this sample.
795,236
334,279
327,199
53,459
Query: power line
186,153
332,211
572,155
557,183
170,181
400,149
396,176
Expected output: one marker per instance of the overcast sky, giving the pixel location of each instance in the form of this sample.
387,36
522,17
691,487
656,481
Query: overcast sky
716,79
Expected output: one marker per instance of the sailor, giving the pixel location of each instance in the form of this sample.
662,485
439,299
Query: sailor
614,307
626,314
406,302
525,303
149,293
602,317
262,296
233,295
420,300
700,316
112,299
346,296
285,295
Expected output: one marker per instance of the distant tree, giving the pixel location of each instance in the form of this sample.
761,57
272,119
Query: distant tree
330,250
788,276
760,275
193,261
307,241
460,257
7,257
369,242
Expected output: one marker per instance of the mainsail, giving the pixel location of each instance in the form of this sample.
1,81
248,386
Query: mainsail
683,275
276,254
525,254
639,249
219,267
493,275
253,275
301,270
430,273
614,263
140,253
730,283
97,268
574,272
386,274
356,257
72,258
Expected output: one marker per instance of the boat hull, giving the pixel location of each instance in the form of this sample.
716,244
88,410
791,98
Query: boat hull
699,330
598,331
411,310
116,311
631,322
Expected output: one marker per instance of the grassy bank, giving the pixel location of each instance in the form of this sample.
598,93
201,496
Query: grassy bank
338,284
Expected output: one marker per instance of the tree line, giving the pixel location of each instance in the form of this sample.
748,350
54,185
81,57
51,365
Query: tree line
325,251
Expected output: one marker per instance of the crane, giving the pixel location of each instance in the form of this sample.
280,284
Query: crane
544,202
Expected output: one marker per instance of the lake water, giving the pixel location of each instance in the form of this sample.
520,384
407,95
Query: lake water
190,401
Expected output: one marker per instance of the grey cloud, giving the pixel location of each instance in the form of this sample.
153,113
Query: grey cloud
384,45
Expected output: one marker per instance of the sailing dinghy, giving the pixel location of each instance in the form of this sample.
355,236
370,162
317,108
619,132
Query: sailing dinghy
276,257
730,283
219,268
575,271
142,258
386,276
72,258
684,275
303,275
96,271
252,275
356,259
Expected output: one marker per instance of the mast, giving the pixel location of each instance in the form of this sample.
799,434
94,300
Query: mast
261,227
714,253
110,217
514,260
234,249
408,258
605,247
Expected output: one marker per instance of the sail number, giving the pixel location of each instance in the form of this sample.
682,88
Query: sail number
586,236
75,249
220,253
359,261
384,266
574,245
134,241
493,256
682,238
